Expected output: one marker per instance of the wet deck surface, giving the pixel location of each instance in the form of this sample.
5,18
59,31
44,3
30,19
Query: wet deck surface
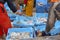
47,38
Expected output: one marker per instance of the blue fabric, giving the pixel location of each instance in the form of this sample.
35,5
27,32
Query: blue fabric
40,9
43,1
47,7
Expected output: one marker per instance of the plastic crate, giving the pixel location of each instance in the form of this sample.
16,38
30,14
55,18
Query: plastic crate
55,31
18,18
57,24
11,15
12,19
23,18
22,24
40,8
23,21
41,27
30,30
42,15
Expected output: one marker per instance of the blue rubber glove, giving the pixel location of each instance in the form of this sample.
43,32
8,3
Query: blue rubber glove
18,12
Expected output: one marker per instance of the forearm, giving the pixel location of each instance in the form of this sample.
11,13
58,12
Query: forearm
17,5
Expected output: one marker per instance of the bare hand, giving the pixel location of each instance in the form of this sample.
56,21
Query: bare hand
19,13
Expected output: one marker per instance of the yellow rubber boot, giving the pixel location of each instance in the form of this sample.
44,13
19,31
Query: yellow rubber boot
29,8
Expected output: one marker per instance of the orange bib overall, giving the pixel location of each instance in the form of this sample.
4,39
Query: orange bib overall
54,0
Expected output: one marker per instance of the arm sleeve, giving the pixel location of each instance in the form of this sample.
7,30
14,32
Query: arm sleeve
11,5
25,1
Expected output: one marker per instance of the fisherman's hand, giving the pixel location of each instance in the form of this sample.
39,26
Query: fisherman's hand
18,12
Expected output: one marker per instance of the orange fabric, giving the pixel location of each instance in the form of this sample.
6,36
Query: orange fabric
54,0
5,23
29,8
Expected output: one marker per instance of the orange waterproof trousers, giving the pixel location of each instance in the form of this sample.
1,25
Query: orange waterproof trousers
54,0
5,23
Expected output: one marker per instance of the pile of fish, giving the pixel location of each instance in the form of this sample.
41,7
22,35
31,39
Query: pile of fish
19,35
